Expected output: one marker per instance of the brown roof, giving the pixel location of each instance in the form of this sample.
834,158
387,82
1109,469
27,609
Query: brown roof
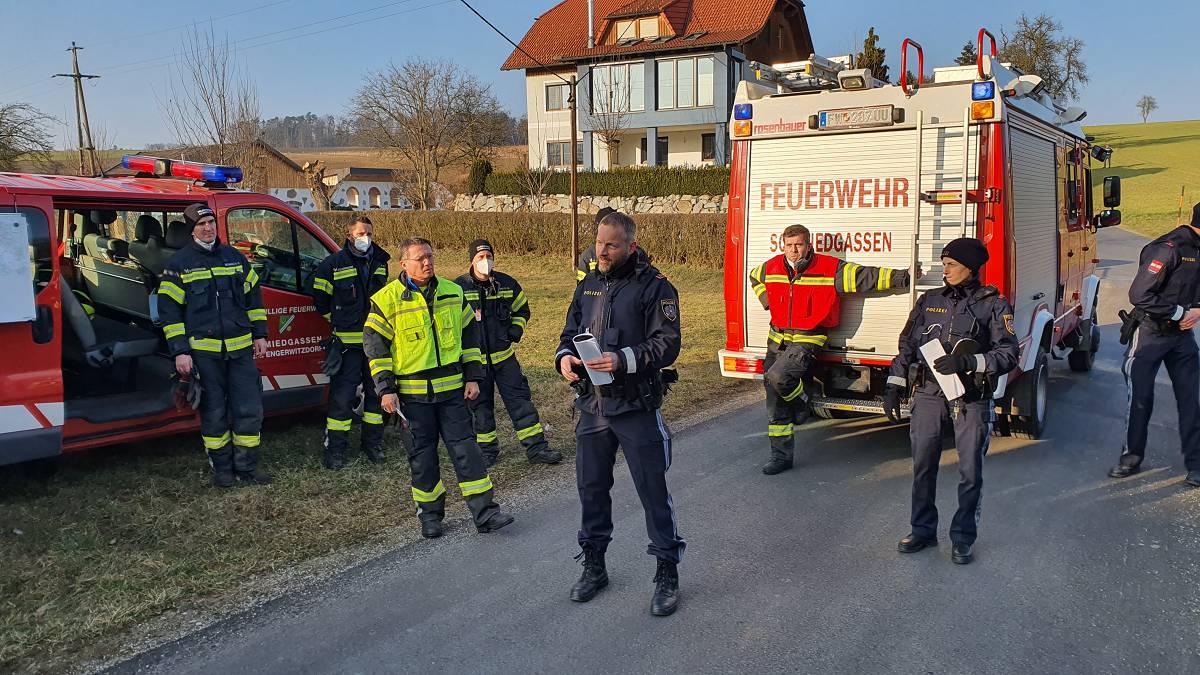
560,35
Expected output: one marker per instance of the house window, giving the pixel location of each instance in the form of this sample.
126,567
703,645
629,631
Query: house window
645,28
558,96
648,27
352,197
618,87
558,154
625,29
374,197
708,147
660,151
685,83
394,198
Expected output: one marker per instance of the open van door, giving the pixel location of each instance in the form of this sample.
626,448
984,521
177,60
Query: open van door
31,386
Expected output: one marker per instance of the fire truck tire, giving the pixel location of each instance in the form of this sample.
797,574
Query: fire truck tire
1081,360
1034,396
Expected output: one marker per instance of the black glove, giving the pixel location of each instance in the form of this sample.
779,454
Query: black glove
891,402
951,364
333,355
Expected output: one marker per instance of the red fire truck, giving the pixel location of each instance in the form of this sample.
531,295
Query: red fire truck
886,175
83,362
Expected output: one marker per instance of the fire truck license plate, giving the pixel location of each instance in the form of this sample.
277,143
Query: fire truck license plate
856,118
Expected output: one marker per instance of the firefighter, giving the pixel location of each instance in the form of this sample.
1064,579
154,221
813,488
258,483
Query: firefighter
1165,295
501,312
802,290
422,344
342,288
975,325
633,312
210,304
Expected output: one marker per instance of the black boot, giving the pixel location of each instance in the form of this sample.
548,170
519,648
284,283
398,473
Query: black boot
546,456
222,467
666,593
431,529
254,477
1129,465
776,465
496,521
374,454
594,577
334,461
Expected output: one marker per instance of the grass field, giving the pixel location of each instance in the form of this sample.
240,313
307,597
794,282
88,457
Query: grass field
1154,161
122,534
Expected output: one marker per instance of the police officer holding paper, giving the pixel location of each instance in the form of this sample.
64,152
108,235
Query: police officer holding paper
1166,307
632,312
974,325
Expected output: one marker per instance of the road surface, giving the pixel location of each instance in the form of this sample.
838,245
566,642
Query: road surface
1074,573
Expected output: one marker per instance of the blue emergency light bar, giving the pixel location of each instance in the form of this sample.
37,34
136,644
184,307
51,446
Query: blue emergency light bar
743,111
983,91
157,166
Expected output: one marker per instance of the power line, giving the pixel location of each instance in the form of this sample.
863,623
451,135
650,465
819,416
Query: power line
509,40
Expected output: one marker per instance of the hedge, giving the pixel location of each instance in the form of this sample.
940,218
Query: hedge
670,238
659,181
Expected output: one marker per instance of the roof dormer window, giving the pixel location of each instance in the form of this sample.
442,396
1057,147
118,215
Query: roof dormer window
633,30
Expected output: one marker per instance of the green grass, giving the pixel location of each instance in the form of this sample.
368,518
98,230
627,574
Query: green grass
1154,161
122,534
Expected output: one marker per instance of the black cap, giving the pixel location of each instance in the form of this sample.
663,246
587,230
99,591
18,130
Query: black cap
477,246
601,213
968,251
193,213
1196,215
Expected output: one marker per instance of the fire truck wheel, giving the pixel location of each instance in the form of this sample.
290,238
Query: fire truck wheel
1081,360
1034,392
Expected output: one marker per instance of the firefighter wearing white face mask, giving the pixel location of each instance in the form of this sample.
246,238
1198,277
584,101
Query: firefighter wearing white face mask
342,288
502,311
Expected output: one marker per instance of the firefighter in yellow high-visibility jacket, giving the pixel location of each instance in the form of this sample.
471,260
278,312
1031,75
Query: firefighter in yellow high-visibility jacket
422,346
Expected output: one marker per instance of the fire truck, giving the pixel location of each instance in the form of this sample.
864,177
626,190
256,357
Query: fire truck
83,361
886,175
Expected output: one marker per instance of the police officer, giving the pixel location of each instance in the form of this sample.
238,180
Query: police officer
802,289
422,345
633,312
1166,300
975,326
210,304
342,288
587,259
501,312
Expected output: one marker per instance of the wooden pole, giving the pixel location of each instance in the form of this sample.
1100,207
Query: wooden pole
574,177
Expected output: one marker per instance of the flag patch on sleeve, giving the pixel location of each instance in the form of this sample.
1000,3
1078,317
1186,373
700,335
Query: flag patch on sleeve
1154,267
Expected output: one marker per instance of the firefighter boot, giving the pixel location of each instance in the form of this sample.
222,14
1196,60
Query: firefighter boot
335,450
431,528
496,521
666,592
374,453
776,465
245,461
222,467
594,577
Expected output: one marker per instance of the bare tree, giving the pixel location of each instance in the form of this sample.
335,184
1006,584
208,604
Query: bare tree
417,112
1146,105
212,106
609,103
314,176
107,152
23,135
534,177
1037,46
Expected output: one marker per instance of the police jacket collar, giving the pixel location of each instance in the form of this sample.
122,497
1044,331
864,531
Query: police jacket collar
635,265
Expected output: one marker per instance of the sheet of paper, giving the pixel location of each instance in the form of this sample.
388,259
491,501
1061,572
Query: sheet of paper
952,386
16,272
589,349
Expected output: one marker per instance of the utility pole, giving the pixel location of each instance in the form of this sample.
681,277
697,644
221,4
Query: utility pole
81,117
574,176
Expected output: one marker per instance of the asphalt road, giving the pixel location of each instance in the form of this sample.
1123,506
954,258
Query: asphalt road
1075,573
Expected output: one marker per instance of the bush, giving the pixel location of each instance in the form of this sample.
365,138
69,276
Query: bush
670,238
476,180
659,181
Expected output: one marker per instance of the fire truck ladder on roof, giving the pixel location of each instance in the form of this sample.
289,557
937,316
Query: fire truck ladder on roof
934,221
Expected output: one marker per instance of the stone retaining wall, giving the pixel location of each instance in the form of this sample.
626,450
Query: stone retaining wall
562,204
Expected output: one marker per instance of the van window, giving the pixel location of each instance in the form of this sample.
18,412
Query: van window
284,254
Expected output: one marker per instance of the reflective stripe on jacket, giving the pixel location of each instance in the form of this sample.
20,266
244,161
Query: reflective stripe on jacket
503,312
342,288
810,299
210,302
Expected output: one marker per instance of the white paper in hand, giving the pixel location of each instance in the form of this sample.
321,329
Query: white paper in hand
589,349
952,386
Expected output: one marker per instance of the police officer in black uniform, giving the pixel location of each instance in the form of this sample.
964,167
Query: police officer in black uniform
975,326
342,288
1166,305
210,304
502,313
633,313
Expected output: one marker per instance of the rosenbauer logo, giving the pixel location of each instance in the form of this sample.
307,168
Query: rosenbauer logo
780,127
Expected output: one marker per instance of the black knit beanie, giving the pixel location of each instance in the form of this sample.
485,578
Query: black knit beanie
968,251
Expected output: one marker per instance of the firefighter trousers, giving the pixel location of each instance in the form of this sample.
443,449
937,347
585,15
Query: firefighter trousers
1146,352
782,416
972,423
231,410
343,395
518,400
449,420
646,441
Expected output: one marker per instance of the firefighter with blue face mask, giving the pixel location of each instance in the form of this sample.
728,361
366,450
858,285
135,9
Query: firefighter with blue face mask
974,323
342,288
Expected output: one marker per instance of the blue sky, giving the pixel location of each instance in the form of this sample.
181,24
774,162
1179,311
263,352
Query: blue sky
1131,49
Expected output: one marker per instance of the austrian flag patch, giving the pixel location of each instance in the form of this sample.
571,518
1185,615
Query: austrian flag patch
1154,267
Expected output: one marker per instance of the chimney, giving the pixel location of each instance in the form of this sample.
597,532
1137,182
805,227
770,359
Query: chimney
591,24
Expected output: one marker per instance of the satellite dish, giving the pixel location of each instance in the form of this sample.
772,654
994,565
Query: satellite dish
1026,85
1070,115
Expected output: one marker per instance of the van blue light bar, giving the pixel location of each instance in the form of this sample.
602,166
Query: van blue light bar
983,91
743,111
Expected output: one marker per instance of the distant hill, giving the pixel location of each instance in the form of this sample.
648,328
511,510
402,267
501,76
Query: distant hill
1153,160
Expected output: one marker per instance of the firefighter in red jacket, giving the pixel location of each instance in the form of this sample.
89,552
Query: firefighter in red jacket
802,290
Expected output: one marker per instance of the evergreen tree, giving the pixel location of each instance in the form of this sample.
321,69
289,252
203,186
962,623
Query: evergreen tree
969,56
873,56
